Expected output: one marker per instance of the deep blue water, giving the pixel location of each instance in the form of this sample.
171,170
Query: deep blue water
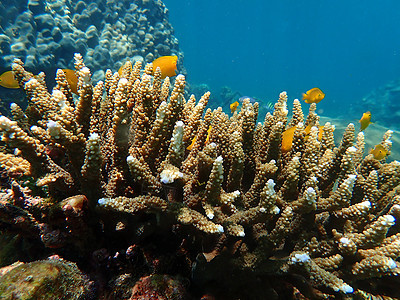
260,48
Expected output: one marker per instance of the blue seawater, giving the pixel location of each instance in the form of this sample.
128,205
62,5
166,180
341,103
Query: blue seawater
260,48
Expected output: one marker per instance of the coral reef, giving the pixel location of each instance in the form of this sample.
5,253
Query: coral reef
108,178
383,102
45,34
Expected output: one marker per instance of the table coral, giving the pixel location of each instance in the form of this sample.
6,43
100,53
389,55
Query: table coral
319,218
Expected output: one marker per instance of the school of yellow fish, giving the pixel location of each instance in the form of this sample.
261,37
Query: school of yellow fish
168,67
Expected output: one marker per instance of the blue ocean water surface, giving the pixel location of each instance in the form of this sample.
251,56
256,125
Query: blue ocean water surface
260,48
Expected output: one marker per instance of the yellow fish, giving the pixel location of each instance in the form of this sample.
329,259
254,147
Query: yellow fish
365,120
287,139
72,80
379,152
208,135
167,65
122,68
307,131
320,132
7,80
195,138
192,143
234,106
288,134
314,95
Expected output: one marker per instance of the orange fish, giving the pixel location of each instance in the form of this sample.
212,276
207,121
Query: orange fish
234,106
192,143
365,120
195,138
208,135
320,132
379,152
288,134
7,80
72,80
307,131
122,68
167,65
314,95
287,139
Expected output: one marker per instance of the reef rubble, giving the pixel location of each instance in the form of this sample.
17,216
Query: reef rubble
131,181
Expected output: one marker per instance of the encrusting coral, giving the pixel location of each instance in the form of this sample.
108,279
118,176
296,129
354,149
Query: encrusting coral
128,161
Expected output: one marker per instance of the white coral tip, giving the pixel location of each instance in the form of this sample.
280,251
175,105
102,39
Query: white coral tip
51,124
390,220
210,215
352,149
93,136
345,288
391,264
366,204
123,81
300,258
275,210
102,201
344,240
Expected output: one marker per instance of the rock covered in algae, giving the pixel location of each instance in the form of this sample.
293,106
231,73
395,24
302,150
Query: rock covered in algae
159,287
46,279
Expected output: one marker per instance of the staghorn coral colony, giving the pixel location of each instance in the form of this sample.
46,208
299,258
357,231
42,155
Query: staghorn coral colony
107,180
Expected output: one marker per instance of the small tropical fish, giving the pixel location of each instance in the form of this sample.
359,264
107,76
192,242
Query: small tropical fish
314,95
270,107
192,143
122,68
234,106
72,80
167,65
307,131
287,139
288,134
7,80
208,135
195,138
365,120
379,152
320,132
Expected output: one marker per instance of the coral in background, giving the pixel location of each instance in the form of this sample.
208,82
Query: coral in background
383,102
45,34
115,182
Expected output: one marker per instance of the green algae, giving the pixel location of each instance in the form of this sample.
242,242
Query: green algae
47,279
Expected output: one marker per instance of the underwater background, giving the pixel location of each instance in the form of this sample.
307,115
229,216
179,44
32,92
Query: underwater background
260,48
